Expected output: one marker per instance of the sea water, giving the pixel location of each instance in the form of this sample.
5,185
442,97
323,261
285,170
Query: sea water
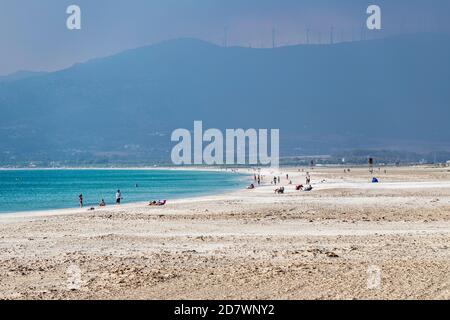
32,190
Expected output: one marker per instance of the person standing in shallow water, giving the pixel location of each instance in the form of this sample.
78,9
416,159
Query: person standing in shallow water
118,197
80,197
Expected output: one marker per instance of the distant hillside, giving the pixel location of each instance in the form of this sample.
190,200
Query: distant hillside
390,93
20,75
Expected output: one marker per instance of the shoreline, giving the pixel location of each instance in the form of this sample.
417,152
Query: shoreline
131,205
112,207
217,168
235,191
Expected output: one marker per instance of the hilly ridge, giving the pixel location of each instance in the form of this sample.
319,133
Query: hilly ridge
322,97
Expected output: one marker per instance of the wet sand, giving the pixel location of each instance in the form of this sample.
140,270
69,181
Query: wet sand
346,239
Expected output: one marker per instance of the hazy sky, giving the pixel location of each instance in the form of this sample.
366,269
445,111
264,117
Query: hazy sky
33,34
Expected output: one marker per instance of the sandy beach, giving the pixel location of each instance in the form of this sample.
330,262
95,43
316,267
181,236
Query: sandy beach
346,239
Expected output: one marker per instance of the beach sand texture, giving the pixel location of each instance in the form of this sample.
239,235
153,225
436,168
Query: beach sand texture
347,239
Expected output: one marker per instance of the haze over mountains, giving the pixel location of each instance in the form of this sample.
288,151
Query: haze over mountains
20,75
390,93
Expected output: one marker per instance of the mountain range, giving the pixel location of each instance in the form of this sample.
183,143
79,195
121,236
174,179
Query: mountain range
386,93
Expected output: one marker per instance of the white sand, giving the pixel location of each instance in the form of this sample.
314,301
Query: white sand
245,244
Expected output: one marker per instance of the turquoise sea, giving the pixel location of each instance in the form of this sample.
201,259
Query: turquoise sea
30,190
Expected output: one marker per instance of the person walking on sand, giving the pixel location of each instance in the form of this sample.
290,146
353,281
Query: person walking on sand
118,197
308,179
80,197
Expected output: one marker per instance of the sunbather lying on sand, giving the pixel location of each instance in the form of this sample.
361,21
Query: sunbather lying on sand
279,190
158,203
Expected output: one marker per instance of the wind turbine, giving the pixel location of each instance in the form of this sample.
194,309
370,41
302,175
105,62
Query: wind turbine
273,37
225,37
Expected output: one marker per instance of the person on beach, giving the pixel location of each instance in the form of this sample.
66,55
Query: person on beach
158,203
279,190
80,197
308,179
102,203
274,180
118,197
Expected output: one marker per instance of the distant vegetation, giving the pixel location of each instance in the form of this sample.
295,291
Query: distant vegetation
360,157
